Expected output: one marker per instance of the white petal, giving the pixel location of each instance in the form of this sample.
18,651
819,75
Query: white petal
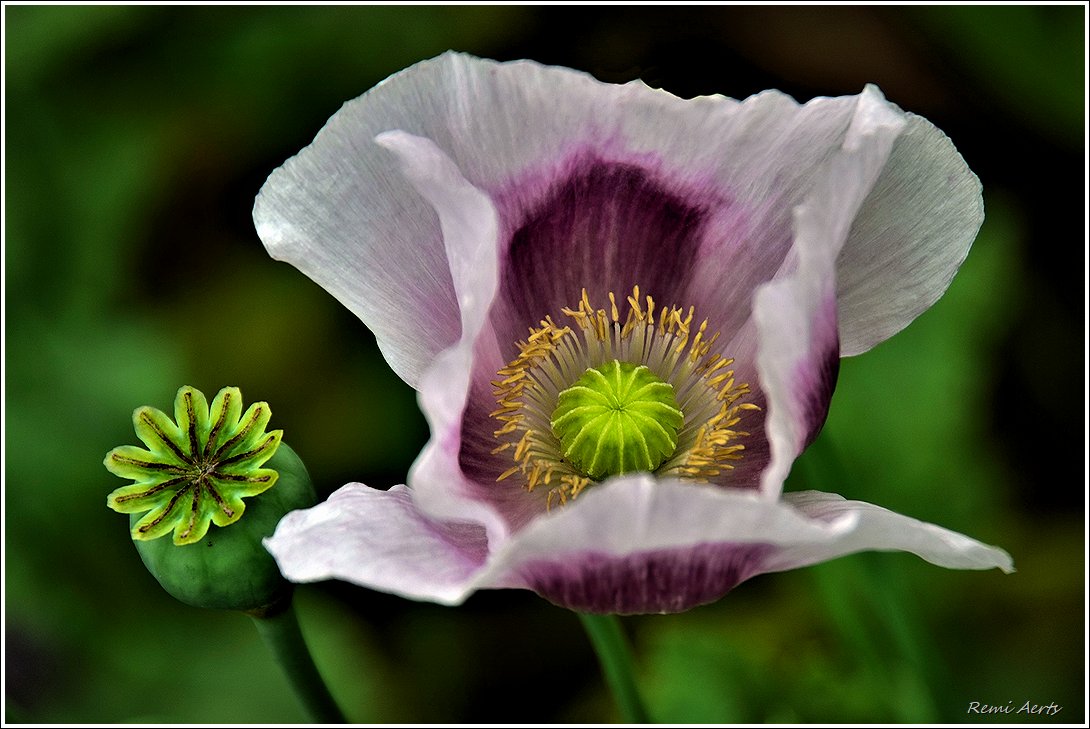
629,545
634,545
467,220
638,512
883,530
795,315
911,236
637,545
469,225
342,213
379,539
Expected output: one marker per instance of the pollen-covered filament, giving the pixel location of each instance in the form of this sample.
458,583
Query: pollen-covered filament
605,395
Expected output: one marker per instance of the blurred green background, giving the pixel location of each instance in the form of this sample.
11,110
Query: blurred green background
136,139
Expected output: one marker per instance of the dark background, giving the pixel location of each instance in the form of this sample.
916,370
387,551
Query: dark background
136,139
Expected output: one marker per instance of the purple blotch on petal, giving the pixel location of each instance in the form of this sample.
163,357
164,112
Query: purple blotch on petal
817,376
659,581
478,464
606,226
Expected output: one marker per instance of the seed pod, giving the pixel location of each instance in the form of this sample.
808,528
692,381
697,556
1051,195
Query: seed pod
195,472
230,568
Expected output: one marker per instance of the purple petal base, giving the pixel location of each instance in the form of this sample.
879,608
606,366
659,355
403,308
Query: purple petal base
660,581
604,226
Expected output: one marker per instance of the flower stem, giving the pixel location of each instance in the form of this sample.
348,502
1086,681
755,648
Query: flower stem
616,658
279,628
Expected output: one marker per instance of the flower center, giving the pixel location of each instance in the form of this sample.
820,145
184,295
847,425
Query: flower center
618,417
606,395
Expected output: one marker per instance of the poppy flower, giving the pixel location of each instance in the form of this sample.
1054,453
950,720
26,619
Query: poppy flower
623,313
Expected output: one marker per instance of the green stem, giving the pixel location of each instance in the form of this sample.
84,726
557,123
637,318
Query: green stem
616,659
279,628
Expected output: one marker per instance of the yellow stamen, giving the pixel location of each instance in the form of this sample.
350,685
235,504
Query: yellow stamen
553,356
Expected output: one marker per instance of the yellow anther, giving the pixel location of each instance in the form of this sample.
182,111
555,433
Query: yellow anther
689,318
509,427
526,389
601,325
534,474
523,445
714,381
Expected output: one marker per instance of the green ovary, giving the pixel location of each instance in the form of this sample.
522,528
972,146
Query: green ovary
617,418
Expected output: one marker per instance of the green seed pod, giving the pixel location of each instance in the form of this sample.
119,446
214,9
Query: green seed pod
195,473
230,569
617,418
